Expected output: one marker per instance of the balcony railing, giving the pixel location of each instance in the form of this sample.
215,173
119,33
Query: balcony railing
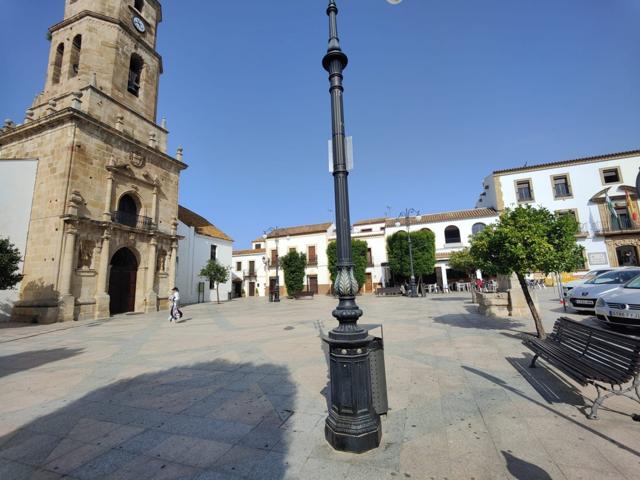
134,221
622,225
312,262
249,273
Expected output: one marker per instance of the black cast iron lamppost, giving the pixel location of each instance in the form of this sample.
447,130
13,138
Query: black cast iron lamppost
276,294
352,424
407,216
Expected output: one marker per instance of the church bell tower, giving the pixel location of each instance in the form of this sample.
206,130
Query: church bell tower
102,232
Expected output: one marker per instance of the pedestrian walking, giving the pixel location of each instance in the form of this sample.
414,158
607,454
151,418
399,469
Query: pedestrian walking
174,312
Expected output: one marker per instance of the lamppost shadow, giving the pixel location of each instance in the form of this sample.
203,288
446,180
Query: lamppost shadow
213,419
523,470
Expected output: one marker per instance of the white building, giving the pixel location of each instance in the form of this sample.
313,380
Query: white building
578,187
452,231
200,241
17,182
250,271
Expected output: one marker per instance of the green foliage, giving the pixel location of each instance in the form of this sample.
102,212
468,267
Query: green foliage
423,246
293,265
528,239
216,273
358,252
9,264
463,261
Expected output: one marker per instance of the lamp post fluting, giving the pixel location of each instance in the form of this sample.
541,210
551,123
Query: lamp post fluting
352,425
407,216
276,293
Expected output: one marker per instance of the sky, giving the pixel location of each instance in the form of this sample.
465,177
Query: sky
438,94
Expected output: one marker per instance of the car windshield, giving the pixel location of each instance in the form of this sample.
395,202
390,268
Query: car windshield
614,278
635,283
592,274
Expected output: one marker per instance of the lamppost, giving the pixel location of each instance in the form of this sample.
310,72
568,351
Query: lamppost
352,424
407,216
276,294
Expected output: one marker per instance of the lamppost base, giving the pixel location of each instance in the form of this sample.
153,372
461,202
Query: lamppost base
348,442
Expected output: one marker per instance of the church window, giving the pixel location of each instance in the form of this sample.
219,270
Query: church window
138,5
57,64
76,46
135,74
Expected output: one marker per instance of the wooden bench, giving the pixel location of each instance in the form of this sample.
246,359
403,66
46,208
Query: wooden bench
389,291
304,295
592,355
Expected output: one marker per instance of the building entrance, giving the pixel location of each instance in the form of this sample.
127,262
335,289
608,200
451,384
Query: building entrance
122,282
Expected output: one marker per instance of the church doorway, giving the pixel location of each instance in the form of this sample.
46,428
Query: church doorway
122,282
627,256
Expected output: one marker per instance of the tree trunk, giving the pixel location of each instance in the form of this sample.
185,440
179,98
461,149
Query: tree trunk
534,312
218,292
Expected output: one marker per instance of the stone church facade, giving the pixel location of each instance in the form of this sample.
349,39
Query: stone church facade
103,228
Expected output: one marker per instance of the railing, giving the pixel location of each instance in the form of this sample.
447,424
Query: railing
132,220
249,273
621,225
312,262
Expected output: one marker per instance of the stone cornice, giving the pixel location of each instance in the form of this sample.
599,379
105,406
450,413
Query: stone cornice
69,114
114,21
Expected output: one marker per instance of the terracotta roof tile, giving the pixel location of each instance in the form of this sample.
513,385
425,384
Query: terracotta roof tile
250,251
300,230
562,163
448,216
201,224
370,220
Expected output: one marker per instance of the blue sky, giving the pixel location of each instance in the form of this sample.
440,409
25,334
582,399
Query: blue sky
437,94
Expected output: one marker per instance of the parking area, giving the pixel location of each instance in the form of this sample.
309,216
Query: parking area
237,390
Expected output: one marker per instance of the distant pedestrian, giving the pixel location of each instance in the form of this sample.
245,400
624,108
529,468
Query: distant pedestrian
174,299
479,284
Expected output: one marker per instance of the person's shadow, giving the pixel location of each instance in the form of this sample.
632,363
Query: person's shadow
523,470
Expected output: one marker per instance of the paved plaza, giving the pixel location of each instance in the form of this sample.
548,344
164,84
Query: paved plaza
237,391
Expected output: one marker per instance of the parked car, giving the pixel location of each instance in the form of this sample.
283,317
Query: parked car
621,306
590,275
583,297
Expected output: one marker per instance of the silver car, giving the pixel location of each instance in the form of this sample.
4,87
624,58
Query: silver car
583,297
621,306
590,275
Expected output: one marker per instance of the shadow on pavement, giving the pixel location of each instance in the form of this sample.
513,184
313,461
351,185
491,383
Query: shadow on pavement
19,362
208,420
522,470
498,381
478,321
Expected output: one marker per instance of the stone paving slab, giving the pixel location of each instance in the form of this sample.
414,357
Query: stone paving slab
237,391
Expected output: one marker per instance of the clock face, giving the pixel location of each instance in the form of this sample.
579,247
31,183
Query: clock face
139,24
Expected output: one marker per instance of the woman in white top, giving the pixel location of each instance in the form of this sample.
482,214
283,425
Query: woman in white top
174,312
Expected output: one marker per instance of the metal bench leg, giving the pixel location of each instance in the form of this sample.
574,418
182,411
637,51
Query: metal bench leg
533,361
622,391
598,402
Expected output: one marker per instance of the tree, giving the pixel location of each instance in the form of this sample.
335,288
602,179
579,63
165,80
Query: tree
359,249
216,274
423,248
293,265
9,264
463,261
526,240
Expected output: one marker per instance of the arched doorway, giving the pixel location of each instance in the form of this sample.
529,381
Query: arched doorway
122,282
627,256
127,213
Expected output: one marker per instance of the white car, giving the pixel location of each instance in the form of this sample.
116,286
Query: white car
583,297
590,275
621,306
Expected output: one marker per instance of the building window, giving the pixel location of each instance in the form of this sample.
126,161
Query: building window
274,257
561,186
364,230
76,46
369,258
138,5
292,249
57,64
477,228
452,234
238,266
135,74
312,258
258,245
524,190
610,175
214,251
127,213
623,222
252,267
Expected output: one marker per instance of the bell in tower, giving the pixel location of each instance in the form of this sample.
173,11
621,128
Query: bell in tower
105,197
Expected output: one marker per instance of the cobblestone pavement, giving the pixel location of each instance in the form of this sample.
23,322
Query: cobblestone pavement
237,391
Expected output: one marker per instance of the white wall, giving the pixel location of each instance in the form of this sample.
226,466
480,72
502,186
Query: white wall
17,182
261,278
585,182
194,251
